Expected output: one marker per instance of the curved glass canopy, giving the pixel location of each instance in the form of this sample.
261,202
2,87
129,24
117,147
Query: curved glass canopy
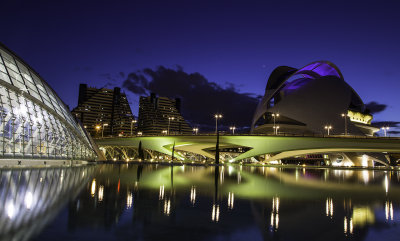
34,122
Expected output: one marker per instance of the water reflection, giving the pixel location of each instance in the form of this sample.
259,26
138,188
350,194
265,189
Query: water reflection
211,202
32,197
329,207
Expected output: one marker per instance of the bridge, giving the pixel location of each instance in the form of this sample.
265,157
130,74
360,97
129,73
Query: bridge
271,148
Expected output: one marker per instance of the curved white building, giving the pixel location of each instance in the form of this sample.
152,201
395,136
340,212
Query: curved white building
309,101
34,122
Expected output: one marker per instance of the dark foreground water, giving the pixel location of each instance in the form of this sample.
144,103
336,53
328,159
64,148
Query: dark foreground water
158,202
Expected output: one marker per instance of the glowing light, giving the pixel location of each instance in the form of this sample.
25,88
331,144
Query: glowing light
329,207
386,184
215,213
93,188
348,225
28,200
275,214
101,193
167,207
230,169
161,195
362,216
275,162
364,161
193,195
239,178
10,210
365,176
129,200
231,200
389,211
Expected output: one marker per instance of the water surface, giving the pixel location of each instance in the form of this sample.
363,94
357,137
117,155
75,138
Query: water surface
160,202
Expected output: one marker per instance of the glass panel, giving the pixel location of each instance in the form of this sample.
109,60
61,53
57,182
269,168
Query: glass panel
5,77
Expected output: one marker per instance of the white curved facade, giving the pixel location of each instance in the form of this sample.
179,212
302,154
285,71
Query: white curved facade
34,122
310,99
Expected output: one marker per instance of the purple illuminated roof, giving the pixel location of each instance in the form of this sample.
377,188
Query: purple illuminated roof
322,68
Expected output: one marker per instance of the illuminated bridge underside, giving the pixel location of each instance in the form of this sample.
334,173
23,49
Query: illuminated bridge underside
277,147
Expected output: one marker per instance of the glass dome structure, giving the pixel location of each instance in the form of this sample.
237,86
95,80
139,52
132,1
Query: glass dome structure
34,122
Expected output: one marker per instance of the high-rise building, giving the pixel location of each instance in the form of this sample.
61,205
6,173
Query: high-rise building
161,116
104,112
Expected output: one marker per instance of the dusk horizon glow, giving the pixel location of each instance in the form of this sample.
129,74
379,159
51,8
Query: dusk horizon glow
233,45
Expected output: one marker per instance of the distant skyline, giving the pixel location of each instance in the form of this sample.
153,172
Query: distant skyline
234,44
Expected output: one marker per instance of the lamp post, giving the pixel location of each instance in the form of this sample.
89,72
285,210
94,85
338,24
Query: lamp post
169,122
275,116
276,130
102,130
133,122
217,116
385,129
328,128
97,130
232,128
345,123
195,130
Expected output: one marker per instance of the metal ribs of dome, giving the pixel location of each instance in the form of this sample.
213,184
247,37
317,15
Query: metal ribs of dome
34,122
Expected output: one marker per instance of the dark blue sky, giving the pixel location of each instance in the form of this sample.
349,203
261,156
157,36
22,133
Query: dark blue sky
237,42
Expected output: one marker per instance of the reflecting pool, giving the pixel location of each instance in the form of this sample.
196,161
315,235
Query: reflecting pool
161,202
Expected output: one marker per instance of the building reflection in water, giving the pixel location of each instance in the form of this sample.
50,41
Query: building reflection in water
32,197
362,216
165,202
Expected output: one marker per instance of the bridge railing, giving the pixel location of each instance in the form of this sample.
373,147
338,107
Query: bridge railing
270,135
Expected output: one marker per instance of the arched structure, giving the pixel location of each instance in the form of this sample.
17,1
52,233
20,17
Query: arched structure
308,99
34,122
266,149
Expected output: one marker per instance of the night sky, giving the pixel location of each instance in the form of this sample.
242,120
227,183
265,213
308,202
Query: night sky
225,48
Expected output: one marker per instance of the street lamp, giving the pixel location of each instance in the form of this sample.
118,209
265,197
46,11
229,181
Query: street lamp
328,128
169,122
232,128
217,116
385,130
195,130
132,122
345,123
102,130
276,130
275,116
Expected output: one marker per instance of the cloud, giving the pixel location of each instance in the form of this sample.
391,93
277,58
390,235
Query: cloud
380,124
201,98
375,107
